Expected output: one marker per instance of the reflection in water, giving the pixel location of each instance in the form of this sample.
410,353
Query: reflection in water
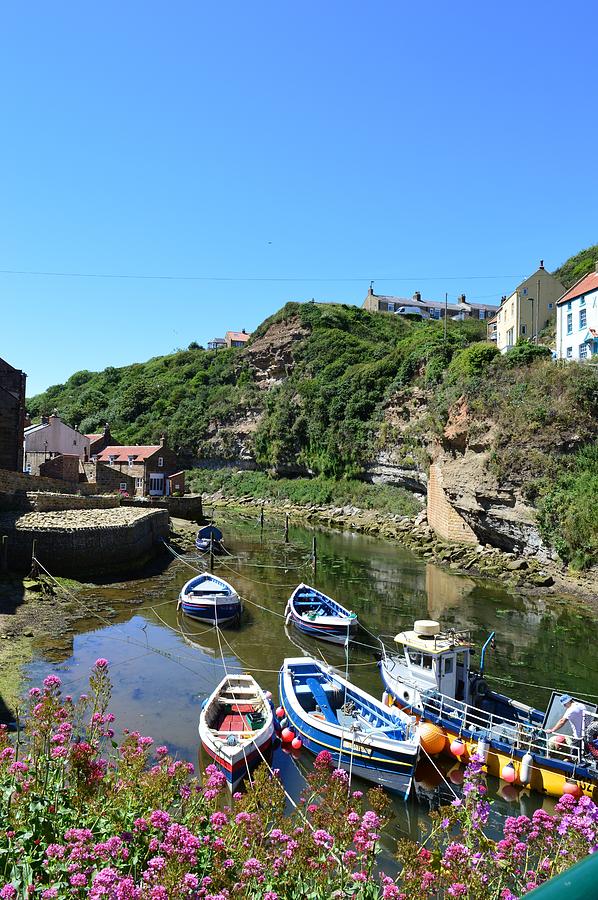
163,665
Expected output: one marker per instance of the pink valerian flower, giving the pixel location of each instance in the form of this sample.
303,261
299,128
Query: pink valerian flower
252,868
458,889
323,760
50,893
218,820
159,819
52,681
8,892
323,838
101,663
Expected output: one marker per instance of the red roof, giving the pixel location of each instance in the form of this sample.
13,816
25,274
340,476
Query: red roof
121,454
583,286
94,437
238,335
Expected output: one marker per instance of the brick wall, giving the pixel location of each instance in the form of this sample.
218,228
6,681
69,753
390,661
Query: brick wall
64,466
442,518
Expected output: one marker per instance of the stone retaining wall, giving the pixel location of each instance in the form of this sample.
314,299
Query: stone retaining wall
80,542
189,507
11,482
49,502
442,518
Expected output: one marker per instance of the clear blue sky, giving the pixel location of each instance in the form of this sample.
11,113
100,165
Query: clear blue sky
289,150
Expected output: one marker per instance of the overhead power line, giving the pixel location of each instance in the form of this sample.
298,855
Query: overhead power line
259,278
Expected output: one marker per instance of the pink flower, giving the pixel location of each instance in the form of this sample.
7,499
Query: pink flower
458,889
101,663
52,681
159,819
8,892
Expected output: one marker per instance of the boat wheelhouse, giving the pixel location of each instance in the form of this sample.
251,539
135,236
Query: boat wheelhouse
431,677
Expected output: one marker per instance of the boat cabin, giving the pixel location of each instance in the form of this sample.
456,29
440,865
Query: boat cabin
435,660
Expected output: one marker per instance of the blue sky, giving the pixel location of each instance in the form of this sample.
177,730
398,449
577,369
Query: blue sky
279,151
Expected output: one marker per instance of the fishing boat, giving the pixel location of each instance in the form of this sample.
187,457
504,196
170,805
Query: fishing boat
367,739
236,727
319,616
209,537
210,599
431,677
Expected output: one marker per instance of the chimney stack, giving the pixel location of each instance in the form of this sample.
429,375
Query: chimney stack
417,296
541,263
461,298
596,266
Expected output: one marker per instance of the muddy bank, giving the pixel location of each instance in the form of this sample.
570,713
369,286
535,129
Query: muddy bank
515,571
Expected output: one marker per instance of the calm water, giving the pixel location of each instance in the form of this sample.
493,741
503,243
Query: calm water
163,665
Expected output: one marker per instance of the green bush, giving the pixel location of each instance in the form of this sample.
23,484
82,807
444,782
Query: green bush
524,353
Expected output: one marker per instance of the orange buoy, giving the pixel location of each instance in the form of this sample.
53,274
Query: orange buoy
297,743
572,788
508,773
280,713
287,735
432,738
457,747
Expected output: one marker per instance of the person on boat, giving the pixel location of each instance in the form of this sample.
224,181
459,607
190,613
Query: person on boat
574,714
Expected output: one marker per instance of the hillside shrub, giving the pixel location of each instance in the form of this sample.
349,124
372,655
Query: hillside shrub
524,353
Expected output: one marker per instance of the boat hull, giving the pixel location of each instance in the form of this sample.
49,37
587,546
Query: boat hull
238,767
216,614
333,634
548,776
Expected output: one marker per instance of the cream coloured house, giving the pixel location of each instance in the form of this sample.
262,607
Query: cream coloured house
525,312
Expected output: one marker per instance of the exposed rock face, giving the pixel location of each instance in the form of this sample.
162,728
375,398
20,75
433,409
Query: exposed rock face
396,462
271,357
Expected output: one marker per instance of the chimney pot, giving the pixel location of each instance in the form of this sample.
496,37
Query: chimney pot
417,296
461,298
541,263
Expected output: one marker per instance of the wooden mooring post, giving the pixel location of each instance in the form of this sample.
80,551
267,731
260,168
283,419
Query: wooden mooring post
286,528
4,554
261,519
211,552
314,555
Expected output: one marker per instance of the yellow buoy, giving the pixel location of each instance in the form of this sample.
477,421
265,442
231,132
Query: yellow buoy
432,738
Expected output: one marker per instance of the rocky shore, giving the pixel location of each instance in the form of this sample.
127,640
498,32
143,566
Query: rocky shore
523,572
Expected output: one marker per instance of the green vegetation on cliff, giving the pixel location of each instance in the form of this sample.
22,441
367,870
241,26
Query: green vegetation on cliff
577,266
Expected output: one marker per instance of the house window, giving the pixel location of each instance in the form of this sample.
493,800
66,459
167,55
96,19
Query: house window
583,318
569,352
112,460
583,351
160,462
139,482
582,301
568,306
569,323
523,329
510,337
131,460
434,313
550,305
123,486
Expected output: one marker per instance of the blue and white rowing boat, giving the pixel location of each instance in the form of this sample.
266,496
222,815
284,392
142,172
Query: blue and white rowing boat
210,599
209,536
362,736
319,616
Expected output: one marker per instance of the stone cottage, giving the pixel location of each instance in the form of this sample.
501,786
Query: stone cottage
155,468
52,437
12,416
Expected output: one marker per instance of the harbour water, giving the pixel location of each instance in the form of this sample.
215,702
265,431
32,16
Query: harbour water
163,665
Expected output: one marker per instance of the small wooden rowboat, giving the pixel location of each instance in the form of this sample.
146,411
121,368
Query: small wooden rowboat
210,599
319,616
363,736
236,727
209,537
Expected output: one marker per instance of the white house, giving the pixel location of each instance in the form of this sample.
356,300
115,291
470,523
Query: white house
577,319
51,438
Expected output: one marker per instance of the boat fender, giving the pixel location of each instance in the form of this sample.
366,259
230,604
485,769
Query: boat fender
482,747
231,740
508,773
525,770
386,699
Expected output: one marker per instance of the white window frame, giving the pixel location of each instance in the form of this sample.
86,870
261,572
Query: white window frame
160,462
569,352
583,314
583,351
570,323
139,481
122,486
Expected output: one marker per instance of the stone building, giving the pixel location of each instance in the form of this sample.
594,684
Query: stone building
12,416
153,467
236,338
429,309
99,442
50,438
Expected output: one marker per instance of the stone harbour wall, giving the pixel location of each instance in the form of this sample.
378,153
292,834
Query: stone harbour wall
81,541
